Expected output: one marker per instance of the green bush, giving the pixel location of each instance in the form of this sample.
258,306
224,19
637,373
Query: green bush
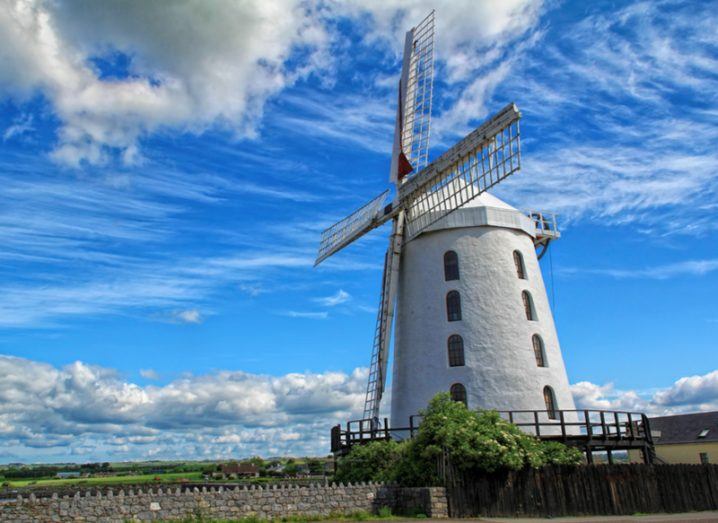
376,461
474,441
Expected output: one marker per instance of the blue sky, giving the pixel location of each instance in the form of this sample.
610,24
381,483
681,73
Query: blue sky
165,175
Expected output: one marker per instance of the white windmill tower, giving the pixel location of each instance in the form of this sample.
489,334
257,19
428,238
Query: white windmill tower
472,315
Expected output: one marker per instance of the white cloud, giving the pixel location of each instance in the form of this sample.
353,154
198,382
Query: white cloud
88,411
658,272
340,297
201,64
189,316
21,125
192,65
311,315
620,127
149,374
688,394
93,413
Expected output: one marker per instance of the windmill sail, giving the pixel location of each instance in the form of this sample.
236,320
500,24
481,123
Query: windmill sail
489,154
385,315
410,152
347,230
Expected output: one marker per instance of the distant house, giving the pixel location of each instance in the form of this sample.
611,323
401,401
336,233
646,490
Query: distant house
240,470
685,438
68,474
275,468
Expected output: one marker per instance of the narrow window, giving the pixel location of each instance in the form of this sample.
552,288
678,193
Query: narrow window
519,262
451,266
528,306
549,399
704,458
453,306
539,350
458,393
456,351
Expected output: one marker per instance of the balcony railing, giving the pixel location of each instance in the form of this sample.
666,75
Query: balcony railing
589,430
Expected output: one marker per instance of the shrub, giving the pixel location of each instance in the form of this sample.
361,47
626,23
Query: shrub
376,461
474,441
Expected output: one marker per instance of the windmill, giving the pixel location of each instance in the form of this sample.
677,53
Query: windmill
426,194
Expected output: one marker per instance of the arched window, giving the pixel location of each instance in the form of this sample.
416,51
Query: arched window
453,306
451,266
528,306
519,262
549,399
539,351
458,393
456,351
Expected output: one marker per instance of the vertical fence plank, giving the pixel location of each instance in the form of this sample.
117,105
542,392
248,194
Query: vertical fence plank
583,490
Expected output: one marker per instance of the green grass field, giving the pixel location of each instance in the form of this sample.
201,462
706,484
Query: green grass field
171,477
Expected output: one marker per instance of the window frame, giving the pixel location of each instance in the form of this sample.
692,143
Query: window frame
459,388
451,266
539,350
529,308
520,265
455,351
451,304
549,399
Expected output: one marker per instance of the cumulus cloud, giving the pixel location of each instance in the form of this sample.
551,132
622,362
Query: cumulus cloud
89,410
189,65
688,394
94,413
116,71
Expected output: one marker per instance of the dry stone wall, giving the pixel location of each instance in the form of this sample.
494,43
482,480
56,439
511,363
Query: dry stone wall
226,503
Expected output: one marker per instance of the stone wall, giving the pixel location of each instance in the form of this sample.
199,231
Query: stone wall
226,503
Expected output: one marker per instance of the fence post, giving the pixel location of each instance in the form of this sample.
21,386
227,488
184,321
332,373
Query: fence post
603,425
589,429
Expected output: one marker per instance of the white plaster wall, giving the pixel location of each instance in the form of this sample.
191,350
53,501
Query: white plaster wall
500,371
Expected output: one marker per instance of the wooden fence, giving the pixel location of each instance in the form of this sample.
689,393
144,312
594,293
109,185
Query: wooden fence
583,490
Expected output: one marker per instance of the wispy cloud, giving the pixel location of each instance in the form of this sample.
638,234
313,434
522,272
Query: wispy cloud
660,272
189,316
340,297
149,374
21,125
310,315
616,125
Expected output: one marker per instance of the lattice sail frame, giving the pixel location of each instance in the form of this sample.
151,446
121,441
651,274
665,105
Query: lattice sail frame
485,157
350,228
416,126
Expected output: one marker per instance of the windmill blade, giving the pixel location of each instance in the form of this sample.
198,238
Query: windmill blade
488,155
413,113
352,227
385,316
